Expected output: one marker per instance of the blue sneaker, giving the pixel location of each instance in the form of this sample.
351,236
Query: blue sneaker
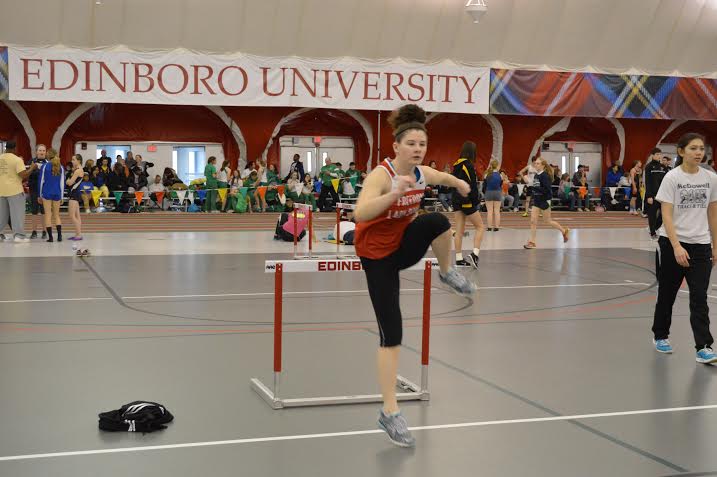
396,427
706,356
663,346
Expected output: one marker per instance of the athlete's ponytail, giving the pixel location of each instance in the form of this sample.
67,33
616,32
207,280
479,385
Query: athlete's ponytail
55,161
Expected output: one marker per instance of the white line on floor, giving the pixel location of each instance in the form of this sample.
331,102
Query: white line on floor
353,433
55,299
319,292
327,292
564,285
708,296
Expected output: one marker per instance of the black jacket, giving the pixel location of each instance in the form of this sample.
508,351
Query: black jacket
137,181
654,173
542,189
118,182
32,181
298,167
513,190
464,170
576,179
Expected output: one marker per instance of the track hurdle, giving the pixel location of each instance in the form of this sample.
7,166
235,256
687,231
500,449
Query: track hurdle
306,208
409,390
339,207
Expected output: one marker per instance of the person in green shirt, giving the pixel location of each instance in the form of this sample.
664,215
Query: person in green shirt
210,173
307,192
342,174
252,182
340,170
293,186
327,174
272,183
351,180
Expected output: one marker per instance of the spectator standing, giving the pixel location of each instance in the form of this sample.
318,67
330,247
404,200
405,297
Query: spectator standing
12,194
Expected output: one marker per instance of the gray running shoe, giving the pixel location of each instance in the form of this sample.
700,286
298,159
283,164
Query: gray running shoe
397,429
458,283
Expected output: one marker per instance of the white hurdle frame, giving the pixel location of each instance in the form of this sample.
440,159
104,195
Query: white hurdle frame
308,209
339,207
410,390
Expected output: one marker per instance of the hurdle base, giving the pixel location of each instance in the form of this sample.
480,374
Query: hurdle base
412,392
266,394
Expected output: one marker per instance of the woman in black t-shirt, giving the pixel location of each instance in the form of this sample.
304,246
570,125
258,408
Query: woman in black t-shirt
542,195
467,207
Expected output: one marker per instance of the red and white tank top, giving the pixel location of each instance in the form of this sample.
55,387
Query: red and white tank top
380,237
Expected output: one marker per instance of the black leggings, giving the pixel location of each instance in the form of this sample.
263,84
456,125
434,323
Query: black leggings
652,211
327,189
382,275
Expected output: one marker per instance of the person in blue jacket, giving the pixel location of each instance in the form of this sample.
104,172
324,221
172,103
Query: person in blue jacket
51,185
614,174
542,195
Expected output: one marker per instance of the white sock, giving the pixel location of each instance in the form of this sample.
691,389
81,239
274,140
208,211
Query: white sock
459,256
476,251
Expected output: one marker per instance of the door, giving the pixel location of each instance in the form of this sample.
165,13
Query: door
587,154
339,149
189,162
306,153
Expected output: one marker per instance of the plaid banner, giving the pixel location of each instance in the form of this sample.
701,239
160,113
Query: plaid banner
548,93
3,73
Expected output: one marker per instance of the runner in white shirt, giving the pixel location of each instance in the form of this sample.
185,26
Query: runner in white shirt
529,173
688,237
247,170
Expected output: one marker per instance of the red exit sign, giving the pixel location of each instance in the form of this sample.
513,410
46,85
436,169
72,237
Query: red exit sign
152,148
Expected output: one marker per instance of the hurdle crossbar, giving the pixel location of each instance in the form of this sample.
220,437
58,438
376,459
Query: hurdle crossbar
409,390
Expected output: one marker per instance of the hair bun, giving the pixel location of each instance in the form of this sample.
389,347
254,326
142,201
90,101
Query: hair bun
409,113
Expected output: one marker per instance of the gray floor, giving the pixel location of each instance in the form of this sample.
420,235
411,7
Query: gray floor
509,353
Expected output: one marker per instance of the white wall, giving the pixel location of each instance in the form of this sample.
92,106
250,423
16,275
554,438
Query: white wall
161,158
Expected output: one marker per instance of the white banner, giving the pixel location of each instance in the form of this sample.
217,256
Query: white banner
117,75
331,264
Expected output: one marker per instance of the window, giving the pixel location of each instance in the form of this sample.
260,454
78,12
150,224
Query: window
563,168
308,160
577,163
189,162
113,150
324,156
